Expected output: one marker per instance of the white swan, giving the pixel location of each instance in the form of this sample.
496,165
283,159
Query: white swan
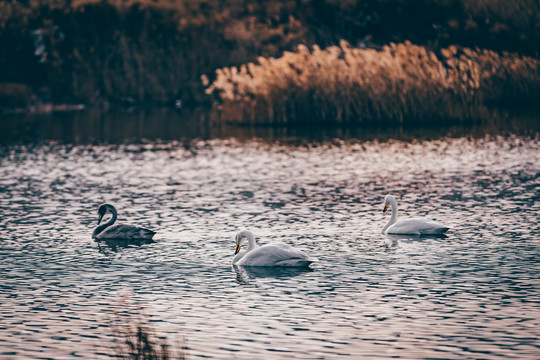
414,226
119,232
274,254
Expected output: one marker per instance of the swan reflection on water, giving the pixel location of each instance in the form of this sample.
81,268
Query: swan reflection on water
395,239
105,246
246,274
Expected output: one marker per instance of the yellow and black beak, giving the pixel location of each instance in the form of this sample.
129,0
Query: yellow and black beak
237,248
100,216
385,207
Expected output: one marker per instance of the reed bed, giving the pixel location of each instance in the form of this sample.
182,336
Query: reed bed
399,83
133,52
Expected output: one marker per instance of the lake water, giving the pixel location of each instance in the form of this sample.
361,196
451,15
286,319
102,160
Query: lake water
474,294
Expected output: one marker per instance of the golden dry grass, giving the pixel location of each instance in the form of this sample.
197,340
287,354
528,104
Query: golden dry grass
154,51
134,337
401,82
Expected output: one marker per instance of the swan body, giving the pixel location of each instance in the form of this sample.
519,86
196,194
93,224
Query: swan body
120,231
412,226
274,254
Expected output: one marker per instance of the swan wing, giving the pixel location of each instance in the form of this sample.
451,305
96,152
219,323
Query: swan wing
125,232
417,226
276,254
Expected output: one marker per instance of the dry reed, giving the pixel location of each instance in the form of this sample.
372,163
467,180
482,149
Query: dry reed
135,338
400,83
154,51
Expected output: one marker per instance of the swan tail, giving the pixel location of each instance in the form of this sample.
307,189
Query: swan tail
436,231
146,234
300,262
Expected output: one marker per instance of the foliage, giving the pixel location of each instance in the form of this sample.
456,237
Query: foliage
400,82
154,51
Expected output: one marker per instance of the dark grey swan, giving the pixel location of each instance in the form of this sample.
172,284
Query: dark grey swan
119,232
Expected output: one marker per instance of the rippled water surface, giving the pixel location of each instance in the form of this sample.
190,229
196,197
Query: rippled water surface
472,294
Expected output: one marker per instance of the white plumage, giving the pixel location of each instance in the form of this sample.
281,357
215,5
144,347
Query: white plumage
413,226
274,254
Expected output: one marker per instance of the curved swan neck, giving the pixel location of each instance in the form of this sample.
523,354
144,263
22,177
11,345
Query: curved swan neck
252,244
100,228
393,203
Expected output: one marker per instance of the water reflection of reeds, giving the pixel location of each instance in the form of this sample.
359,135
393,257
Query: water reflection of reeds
149,125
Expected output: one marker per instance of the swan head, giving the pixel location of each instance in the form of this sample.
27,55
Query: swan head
388,201
103,209
241,238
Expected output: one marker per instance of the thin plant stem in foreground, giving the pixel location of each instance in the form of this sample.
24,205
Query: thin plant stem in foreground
135,339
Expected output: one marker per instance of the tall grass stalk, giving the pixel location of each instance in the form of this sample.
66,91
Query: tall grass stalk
400,83
136,340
